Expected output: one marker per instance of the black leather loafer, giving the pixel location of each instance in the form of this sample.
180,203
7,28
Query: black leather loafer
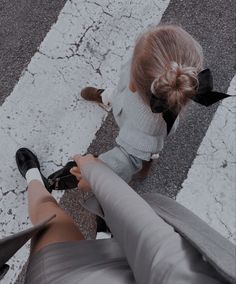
27,160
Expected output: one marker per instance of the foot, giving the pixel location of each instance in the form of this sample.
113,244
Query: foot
26,160
143,173
101,225
92,94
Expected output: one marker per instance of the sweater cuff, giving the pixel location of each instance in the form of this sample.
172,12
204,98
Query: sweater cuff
107,97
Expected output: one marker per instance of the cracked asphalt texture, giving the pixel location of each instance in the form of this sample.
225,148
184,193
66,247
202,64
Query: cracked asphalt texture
25,23
23,26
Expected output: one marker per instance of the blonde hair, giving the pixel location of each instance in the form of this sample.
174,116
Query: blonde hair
165,63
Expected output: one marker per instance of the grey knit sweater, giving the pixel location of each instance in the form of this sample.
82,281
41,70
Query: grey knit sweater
142,132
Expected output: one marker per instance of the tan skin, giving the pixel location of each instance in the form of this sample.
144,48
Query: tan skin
132,87
42,204
82,184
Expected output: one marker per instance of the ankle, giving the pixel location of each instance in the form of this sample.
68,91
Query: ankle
33,174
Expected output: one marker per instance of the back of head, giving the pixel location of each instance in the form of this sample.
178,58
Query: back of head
165,63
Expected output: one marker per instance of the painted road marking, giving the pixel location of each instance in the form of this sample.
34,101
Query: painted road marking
209,190
44,111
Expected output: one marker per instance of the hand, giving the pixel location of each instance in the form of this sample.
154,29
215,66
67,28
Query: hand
81,160
82,183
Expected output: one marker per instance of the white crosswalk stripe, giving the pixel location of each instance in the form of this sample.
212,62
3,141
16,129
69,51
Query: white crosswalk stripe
209,190
44,111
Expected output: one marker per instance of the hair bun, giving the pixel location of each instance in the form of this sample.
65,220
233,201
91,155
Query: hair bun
176,85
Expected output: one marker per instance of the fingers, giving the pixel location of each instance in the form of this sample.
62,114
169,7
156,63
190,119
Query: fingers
80,161
82,184
76,172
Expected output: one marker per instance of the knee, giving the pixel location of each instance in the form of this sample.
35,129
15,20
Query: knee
47,206
44,207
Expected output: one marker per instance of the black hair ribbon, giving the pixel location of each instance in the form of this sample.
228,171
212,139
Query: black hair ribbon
204,96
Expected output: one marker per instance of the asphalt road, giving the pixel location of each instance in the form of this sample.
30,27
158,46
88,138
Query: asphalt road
25,23
23,26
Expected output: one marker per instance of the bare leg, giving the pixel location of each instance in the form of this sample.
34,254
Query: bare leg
60,229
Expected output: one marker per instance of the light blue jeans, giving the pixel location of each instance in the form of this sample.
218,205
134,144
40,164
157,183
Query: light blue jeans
122,163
